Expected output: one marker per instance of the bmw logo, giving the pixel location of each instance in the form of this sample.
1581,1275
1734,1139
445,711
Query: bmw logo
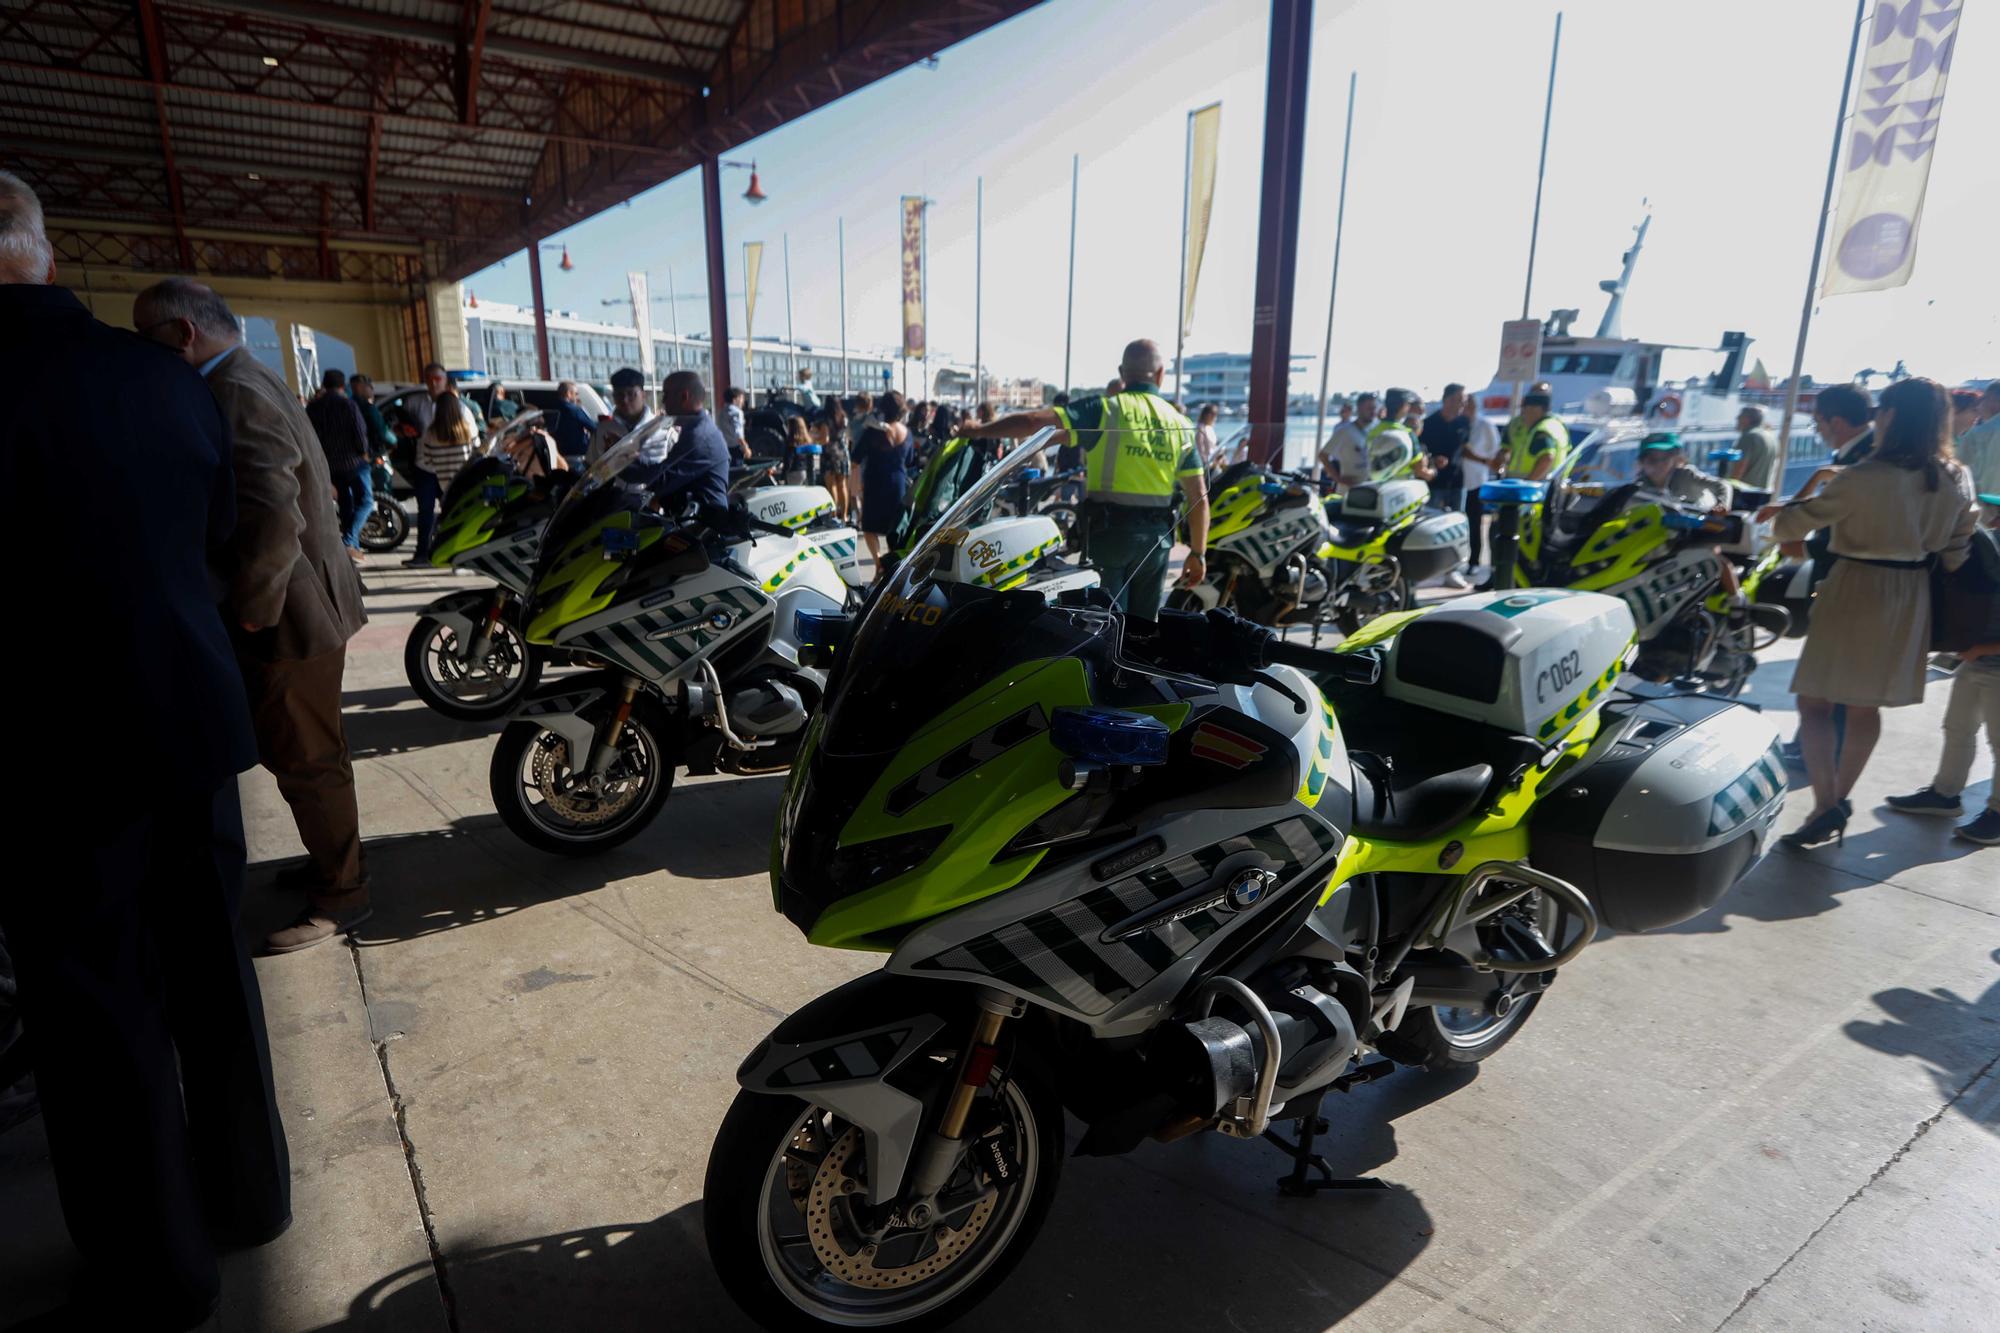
721,618
1247,888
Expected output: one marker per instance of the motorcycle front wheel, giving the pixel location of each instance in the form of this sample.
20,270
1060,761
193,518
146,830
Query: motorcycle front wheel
548,804
388,524
798,1248
470,691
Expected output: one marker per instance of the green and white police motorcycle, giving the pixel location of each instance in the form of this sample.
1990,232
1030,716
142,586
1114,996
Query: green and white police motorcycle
468,655
1174,878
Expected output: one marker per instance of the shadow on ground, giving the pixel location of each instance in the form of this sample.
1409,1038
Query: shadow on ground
1956,1038
476,869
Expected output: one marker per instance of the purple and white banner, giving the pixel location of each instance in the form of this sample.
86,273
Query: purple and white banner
1906,49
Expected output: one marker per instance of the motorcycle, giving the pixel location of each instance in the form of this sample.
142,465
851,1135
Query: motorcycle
1282,556
686,623
388,522
1662,557
1172,879
466,656
1024,533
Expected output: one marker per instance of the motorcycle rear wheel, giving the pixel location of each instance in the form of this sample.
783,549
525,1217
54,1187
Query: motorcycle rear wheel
772,1253
388,524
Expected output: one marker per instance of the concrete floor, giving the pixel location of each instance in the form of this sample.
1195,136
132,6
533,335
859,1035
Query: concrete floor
500,1097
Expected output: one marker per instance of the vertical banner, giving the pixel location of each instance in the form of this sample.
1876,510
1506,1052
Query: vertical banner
1905,60
753,260
913,276
642,320
1204,131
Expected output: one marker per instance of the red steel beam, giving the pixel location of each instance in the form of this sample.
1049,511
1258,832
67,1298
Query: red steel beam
368,180
652,150
718,284
156,65
471,50
1286,80
541,307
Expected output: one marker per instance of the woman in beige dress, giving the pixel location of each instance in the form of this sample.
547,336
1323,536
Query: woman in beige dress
1894,514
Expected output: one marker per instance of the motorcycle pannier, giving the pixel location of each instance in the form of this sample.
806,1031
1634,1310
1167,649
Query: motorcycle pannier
1673,807
1435,544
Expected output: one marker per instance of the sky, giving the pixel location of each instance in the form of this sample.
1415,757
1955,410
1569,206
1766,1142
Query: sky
1715,115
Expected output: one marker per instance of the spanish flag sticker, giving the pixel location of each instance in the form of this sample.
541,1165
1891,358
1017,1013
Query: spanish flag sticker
1231,749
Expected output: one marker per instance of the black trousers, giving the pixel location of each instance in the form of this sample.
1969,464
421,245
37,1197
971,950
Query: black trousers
150,1055
1475,513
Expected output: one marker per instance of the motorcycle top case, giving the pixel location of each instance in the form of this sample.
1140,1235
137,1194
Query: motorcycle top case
1434,544
999,554
1528,662
1672,807
789,506
1385,501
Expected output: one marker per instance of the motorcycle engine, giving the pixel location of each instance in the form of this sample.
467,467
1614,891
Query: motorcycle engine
767,708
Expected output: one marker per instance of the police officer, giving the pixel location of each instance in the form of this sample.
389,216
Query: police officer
1392,443
1137,447
1534,444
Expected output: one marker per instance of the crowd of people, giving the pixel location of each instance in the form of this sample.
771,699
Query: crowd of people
214,592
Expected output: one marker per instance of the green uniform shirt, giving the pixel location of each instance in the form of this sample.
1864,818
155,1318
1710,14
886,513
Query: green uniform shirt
1137,447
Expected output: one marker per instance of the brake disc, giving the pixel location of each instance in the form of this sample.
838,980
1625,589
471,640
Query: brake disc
828,1217
573,801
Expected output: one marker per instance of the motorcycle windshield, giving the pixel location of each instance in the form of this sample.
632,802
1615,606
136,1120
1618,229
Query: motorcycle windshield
928,639
598,492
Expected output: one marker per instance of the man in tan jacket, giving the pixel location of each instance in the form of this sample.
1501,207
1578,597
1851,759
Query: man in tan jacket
292,596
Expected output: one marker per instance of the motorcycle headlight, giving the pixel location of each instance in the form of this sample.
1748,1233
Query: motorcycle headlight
866,864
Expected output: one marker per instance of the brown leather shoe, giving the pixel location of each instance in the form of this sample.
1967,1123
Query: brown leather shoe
314,926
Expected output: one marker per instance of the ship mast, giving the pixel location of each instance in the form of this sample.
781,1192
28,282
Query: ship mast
1608,327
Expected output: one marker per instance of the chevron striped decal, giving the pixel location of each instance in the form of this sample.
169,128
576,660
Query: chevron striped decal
1563,720
1014,572
1061,955
1742,800
1321,767
630,643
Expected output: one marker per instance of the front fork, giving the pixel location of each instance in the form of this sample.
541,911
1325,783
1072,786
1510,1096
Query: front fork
481,642
604,746
944,1147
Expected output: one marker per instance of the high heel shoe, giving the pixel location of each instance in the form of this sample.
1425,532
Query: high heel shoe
1829,825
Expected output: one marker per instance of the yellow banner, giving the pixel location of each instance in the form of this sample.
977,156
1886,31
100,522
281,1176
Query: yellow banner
753,260
1204,131
913,276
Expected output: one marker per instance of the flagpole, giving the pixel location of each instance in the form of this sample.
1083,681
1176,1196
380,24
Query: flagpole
1819,233
1180,309
924,287
791,343
1069,312
1339,221
841,225
674,312
1542,167
749,312
978,262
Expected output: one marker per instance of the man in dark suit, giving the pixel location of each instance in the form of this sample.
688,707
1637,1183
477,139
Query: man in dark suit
136,993
293,597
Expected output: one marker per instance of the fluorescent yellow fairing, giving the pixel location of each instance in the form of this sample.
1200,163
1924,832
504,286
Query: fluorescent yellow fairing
580,573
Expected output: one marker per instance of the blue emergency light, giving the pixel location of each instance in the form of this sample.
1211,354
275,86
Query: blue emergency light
620,542
1513,491
820,632
1109,736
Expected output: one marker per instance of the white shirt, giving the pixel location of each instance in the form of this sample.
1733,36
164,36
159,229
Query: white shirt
1346,445
1485,441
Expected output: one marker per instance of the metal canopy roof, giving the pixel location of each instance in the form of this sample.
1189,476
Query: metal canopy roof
466,127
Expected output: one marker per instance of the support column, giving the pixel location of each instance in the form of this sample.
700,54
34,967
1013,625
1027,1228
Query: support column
718,282
1288,75
541,309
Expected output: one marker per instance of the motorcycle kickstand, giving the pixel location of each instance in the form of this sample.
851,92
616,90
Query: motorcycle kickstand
1299,1184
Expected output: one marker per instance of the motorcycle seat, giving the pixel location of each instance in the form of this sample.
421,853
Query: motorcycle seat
1412,807
1355,531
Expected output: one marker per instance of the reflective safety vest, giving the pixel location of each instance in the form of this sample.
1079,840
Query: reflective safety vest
1522,449
1134,458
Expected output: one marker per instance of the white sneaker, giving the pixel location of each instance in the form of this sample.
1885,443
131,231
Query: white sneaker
1457,580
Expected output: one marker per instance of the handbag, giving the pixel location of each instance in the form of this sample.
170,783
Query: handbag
1965,602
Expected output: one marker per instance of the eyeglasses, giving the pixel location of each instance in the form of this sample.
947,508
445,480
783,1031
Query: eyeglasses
147,330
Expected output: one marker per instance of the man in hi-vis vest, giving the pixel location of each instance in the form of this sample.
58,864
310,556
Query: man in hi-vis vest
1137,447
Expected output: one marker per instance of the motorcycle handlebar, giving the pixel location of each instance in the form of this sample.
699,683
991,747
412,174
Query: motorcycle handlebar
1349,667
1220,644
